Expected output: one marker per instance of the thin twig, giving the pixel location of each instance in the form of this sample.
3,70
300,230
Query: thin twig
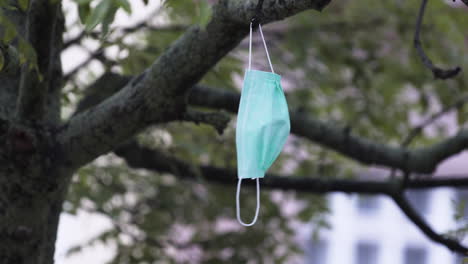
436,71
431,119
413,215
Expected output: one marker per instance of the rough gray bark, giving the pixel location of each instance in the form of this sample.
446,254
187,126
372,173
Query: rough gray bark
33,184
33,179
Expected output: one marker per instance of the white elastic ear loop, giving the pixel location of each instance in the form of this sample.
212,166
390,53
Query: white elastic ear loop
238,203
250,47
264,44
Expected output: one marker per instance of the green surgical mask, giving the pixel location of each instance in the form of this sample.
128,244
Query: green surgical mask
262,125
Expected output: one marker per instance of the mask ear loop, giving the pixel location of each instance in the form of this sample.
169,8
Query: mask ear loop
264,44
250,47
239,183
266,49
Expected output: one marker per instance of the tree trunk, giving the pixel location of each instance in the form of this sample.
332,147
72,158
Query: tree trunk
32,190
33,177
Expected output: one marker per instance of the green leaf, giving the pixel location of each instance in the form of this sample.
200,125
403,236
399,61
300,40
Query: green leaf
98,14
184,11
83,12
9,29
2,60
108,19
27,53
74,250
179,6
462,115
23,4
10,33
125,5
204,13
82,2
459,207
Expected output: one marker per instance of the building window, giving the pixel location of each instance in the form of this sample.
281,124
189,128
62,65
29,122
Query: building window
419,199
316,252
368,203
415,255
366,253
462,197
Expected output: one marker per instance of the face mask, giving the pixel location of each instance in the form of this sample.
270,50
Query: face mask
262,125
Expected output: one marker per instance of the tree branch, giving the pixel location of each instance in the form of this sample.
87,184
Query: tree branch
138,156
414,217
218,120
436,71
457,181
44,28
142,157
431,119
158,95
420,160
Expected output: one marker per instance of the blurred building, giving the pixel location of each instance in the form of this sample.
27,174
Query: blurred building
373,230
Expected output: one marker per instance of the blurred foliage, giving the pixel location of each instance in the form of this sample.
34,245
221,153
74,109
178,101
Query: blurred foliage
103,12
460,215
353,65
9,35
